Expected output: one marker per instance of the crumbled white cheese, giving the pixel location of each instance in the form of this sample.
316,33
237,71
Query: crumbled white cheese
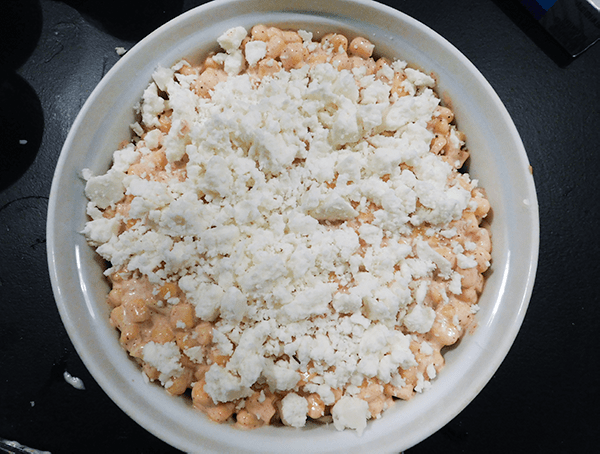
163,357
294,409
255,51
196,354
281,376
234,63
137,129
125,157
448,233
465,262
306,36
105,190
350,412
419,78
431,372
426,348
152,106
470,246
223,386
152,139
455,285
232,38
422,384
101,230
420,319
162,76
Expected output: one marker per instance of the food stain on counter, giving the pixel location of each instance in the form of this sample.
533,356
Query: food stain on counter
11,446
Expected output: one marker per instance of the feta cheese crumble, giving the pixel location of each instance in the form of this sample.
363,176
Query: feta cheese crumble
288,234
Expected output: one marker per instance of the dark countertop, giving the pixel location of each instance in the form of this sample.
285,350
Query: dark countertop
541,399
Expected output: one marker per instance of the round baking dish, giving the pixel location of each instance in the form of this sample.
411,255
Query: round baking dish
498,160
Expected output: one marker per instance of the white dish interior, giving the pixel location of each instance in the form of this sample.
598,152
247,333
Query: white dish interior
498,160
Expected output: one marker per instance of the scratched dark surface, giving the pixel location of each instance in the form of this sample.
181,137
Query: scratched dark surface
542,398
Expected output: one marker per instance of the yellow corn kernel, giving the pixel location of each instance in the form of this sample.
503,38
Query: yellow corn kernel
182,313
136,310
162,332
168,290
247,420
200,398
180,384
204,333
316,406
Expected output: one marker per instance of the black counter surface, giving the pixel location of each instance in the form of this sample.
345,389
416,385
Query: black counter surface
543,397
